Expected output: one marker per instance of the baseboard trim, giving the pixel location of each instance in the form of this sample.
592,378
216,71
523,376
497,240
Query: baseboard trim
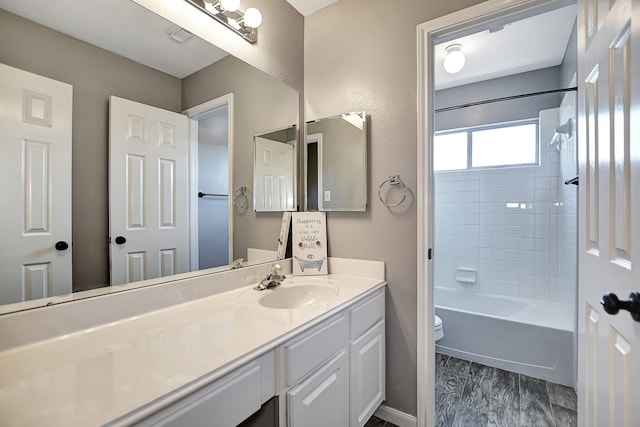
399,418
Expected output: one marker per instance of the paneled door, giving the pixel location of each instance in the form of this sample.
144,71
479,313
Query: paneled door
148,191
274,175
35,194
609,163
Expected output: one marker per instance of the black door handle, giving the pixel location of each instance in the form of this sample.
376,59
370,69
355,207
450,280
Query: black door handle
120,240
613,305
61,245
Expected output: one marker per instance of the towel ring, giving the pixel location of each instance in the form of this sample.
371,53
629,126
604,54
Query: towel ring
240,198
393,180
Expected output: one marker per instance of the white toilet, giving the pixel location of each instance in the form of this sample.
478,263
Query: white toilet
439,332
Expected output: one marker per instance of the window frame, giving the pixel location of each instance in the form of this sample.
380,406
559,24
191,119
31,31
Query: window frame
471,129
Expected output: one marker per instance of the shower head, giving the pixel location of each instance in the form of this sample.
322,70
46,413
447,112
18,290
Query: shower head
564,129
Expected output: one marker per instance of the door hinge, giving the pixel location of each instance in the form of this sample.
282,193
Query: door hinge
430,254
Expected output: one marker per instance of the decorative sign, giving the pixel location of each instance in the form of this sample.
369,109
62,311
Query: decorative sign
309,243
284,235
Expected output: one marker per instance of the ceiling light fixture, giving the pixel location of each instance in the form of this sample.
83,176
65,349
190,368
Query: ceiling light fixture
454,59
228,13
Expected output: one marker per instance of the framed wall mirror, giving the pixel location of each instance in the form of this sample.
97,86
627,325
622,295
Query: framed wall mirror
154,62
275,171
336,163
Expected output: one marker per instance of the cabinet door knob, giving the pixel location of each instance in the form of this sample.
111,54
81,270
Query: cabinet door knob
61,245
120,240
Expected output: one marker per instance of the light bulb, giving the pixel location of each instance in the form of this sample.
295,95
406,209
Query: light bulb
454,61
230,5
252,17
210,7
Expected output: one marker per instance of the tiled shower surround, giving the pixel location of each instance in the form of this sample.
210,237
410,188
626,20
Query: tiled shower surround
516,226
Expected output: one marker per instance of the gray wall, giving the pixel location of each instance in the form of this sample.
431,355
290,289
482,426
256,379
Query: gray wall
503,111
361,55
95,75
261,104
569,65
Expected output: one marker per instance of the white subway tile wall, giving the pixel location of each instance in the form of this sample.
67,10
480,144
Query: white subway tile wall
516,226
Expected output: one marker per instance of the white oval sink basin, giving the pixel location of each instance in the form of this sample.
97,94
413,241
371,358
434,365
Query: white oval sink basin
297,296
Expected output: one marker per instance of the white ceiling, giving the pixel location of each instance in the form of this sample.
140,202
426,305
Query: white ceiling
529,44
129,30
307,7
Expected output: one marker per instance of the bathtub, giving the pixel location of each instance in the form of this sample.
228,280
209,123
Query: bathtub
533,338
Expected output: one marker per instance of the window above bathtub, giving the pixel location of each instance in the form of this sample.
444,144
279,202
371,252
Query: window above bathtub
490,146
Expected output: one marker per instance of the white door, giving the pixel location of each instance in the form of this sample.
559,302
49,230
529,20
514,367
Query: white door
148,191
609,153
274,175
35,169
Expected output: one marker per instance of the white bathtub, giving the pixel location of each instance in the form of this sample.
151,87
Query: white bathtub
528,337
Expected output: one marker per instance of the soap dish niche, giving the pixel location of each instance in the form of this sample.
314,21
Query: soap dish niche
466,275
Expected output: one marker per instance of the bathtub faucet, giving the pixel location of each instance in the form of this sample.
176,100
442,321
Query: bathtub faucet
273,279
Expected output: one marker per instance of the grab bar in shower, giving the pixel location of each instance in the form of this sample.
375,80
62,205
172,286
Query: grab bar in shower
575,181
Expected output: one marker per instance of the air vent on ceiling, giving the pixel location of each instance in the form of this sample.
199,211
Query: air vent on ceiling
179,34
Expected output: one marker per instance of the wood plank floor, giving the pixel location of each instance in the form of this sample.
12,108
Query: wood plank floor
469,394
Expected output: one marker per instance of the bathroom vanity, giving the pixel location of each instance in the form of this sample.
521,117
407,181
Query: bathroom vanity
204,350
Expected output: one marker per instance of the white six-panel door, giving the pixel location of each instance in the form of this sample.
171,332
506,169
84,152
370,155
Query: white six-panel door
148,191
35,195
609,153
274,175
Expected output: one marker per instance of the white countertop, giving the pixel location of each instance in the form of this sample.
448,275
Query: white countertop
94,376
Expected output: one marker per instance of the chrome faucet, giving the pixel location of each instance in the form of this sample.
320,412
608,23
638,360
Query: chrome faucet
273,279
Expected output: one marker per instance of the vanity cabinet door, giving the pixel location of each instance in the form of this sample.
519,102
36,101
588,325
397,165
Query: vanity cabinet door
323,398
367,374
223,403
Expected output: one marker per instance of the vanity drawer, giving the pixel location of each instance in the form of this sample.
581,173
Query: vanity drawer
366,314
304,354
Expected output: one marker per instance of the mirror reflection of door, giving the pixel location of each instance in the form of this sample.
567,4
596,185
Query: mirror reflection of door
148,191
35,163
274,187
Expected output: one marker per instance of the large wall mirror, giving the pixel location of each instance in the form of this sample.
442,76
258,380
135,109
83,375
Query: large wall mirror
119,48
336,163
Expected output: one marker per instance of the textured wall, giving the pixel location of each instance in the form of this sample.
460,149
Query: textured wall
361,55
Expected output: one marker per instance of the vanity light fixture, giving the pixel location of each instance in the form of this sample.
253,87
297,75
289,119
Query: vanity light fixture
454,59
228,13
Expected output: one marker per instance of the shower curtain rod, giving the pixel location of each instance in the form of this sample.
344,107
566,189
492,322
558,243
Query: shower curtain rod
506,98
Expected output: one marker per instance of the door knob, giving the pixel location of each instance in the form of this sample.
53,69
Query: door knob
120,240
61,245
613,305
